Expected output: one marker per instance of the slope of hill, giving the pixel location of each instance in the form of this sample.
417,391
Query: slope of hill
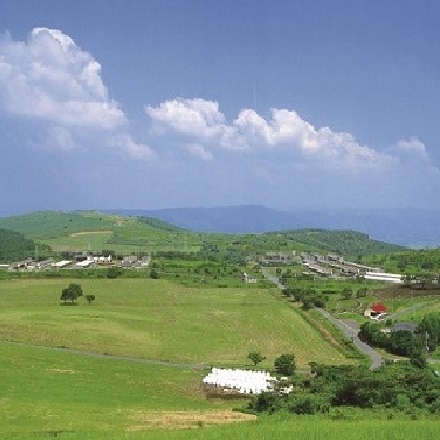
92,230
408,227
98,231
14,246
343,242
53,224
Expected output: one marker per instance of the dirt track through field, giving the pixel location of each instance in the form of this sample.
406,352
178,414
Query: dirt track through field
77,234
113,357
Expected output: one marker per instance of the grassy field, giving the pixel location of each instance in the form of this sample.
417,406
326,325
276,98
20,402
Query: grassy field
305,429
158,319
47,393
46,390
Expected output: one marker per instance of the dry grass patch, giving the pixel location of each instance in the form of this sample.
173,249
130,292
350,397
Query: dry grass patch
61,371
143,420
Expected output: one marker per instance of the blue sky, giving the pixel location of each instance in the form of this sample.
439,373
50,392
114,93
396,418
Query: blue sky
156,104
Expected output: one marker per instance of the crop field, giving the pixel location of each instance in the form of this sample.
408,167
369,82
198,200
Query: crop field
160,320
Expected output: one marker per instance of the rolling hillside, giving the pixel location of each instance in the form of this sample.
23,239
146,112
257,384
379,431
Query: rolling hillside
97,231
408,227
14,246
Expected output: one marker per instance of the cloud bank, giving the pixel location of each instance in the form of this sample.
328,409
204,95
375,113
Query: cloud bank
54,92
49,79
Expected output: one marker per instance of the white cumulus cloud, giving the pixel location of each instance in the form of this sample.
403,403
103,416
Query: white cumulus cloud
412,149
198,119
125,142
199,151
51,78
202,122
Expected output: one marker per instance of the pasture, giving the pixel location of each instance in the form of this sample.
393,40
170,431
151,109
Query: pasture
161,320
47,393
46,390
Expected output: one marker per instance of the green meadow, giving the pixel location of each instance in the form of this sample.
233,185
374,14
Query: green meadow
45,390
295,428
77,370
47,393
161,320
130,364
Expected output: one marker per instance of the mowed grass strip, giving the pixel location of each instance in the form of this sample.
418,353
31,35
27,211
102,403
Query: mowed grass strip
160,320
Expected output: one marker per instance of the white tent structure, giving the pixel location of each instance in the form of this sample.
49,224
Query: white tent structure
243,381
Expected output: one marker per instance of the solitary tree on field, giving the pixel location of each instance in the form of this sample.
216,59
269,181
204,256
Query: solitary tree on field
71,293
256,357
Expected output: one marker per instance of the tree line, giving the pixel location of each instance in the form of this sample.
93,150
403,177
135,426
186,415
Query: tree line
15,246
397,387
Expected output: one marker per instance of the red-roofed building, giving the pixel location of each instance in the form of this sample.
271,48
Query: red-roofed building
375,311
379,308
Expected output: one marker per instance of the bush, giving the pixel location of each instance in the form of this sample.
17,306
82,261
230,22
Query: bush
308,404
112,272
285,364
266,402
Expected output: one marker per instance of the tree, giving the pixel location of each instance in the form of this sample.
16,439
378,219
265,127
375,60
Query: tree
90,298
430,328
256,357
112,272
285,364
71,293
347,293
402,342
154,274
361,292
418,358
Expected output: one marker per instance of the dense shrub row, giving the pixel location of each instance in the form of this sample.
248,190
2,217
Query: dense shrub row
402,387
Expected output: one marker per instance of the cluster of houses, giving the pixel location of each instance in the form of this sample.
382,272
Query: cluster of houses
79,260
249,279
278,257
334,266
132,261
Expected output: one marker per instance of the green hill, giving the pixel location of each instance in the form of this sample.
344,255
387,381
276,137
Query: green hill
54,224
14,246
93,230
343,242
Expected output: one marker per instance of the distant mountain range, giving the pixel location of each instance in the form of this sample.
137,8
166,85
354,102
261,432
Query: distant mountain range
407,227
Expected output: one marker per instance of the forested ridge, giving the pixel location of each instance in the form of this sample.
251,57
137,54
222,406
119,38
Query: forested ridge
14,246
343,242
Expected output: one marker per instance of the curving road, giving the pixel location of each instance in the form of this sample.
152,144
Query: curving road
350,330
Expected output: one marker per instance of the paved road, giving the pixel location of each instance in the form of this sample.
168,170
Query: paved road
275,280
349,329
